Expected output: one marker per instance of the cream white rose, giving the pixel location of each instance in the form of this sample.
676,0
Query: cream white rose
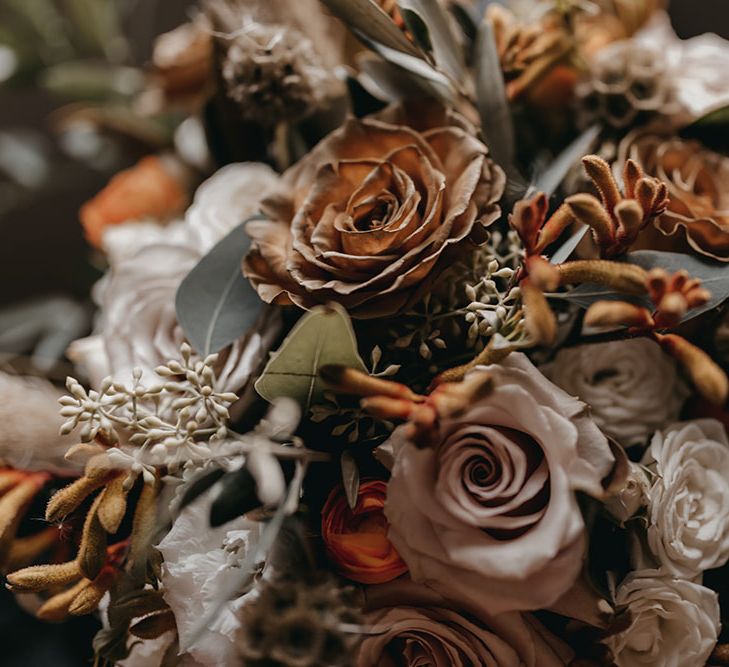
688,527
488,517
631,386
200,562
675,622
147,262
228,198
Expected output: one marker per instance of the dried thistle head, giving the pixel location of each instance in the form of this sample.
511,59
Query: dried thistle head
271,70
616,219
300,622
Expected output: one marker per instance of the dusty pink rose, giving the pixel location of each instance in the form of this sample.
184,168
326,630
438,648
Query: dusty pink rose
412,628
489,517
365,219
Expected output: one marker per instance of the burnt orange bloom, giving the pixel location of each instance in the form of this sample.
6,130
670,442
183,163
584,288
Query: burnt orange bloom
356,540
149,189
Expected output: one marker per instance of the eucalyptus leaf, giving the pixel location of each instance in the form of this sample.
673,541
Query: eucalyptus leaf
711,129
714,277
552,177
491,100
445,44
350,478
566,249
199,485
366,18
215,303
322,336
237,496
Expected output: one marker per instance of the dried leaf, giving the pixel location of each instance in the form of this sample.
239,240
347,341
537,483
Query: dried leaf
321,337
350,478
446,47
215,304
491,100
367,20
200,485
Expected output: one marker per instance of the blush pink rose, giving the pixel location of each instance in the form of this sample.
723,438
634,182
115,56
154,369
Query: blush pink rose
489,517
412,626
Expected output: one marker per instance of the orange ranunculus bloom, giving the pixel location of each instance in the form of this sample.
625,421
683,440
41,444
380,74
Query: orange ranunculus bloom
149,189
356,540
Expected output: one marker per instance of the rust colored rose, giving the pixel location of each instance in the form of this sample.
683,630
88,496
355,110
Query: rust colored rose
366,218
698,211
356,540
149,189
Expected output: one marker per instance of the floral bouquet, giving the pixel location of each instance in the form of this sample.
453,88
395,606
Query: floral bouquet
411,351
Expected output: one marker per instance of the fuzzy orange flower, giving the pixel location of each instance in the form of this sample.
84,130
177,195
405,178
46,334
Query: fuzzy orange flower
356,540
149,189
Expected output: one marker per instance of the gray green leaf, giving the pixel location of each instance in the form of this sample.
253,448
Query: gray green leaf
322,336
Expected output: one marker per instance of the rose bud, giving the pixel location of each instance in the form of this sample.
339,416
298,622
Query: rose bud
356,539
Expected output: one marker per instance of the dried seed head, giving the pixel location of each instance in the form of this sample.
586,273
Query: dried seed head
273,72
89,597
540,321
56,608
618,313
67,499
708,378
92,550
623,277
628,84
42,577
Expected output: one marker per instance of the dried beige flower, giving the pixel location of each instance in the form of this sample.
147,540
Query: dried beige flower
697,213
369,216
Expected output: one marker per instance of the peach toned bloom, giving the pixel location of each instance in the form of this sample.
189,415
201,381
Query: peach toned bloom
149,189
356,540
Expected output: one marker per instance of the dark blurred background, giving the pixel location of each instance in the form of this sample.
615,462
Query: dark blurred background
42,251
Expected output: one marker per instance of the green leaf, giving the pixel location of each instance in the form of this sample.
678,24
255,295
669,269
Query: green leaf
493,106
322,336
350,478
215,303
237,496
565,250
713,275
446,47
199,485
366,19
712,130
